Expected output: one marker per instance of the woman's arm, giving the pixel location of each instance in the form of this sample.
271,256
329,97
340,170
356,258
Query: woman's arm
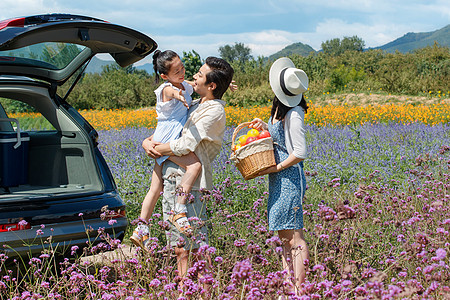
288,162
295,132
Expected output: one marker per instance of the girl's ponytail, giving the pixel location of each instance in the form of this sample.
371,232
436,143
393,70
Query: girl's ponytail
161,62
155,65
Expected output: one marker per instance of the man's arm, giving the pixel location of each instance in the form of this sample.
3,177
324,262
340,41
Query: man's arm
155,149
207,126
164,149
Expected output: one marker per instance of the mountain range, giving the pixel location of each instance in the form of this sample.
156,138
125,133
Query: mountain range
96,66
411,41
404,44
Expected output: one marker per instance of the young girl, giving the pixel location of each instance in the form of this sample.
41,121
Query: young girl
173,99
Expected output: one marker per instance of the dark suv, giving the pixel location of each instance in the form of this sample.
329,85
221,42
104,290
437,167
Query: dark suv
54,181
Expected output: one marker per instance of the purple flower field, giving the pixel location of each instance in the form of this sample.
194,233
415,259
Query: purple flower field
376,215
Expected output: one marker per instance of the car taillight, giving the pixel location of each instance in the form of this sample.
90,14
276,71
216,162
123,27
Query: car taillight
5,58
19,22
116,214
14,227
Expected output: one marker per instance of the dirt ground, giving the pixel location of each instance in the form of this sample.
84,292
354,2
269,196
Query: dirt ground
125,252
377,99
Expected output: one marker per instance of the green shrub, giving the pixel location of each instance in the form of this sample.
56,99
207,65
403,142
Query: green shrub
250,96
114,88
341,76
14,106
424,70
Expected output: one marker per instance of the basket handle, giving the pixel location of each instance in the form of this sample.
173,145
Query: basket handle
236,130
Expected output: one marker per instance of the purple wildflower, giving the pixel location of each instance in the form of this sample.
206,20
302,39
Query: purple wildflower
242,270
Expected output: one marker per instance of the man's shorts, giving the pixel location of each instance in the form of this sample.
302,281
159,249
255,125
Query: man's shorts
172,175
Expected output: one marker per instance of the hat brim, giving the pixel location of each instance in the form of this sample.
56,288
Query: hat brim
274,79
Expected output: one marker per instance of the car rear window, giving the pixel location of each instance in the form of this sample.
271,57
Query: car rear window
50,55
26,116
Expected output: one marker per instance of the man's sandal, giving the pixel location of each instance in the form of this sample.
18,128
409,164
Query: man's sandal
185,228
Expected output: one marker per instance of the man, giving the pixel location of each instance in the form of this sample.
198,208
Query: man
203,135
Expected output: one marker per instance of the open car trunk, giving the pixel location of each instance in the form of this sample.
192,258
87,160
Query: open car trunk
56,161
38,54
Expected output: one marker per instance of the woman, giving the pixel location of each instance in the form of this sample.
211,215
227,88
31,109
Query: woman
287,182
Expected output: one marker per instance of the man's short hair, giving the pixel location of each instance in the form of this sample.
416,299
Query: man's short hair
221,74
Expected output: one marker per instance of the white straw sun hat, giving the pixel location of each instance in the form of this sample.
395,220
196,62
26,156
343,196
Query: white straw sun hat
287,82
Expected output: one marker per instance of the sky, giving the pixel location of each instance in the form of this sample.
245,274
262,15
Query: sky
265,26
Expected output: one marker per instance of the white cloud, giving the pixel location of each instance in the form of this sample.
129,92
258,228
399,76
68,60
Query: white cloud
373,35
261,43
15,8
205,25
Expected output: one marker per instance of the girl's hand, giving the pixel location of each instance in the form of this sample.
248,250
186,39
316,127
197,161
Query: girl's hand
233,87
181,98
171,93
258,124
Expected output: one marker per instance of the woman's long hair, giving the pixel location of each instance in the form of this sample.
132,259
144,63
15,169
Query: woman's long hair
281,110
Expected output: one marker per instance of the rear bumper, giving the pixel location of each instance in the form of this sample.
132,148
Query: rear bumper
61,237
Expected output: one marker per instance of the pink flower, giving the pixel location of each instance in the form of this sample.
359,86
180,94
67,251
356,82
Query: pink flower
239,243
74,250
154,283
440,254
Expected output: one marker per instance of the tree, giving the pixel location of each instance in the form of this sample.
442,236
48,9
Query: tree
353,43
337,47
237,53
192,63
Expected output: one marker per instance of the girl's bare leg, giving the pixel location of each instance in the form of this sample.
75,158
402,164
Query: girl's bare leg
156,187
295,252
193,167
141,233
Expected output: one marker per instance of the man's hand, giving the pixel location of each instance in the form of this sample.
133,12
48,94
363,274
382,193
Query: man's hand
233,86
149,146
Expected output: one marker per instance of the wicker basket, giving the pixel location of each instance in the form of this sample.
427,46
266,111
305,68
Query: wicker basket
254,157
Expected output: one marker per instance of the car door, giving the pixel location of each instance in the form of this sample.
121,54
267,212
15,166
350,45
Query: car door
21,39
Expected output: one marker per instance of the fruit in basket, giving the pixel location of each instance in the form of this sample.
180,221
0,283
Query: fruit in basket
251,139
242,140
252,132
263,134
236,147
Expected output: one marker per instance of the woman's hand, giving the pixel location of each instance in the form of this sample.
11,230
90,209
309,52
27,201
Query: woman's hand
149,146
258,124
269,170
292,160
